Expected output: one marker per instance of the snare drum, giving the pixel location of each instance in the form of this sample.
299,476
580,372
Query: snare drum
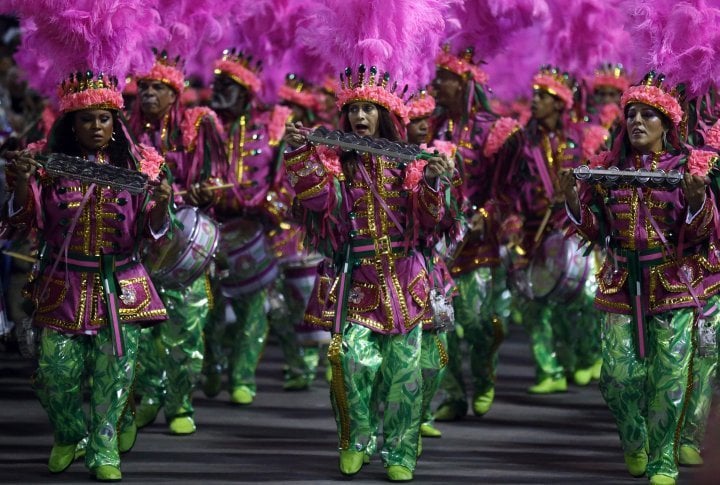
245,258
300,275
557,272
179,261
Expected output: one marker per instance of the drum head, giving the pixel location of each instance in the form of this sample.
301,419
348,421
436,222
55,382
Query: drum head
548,265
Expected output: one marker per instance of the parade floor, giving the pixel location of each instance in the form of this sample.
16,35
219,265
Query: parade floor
290,437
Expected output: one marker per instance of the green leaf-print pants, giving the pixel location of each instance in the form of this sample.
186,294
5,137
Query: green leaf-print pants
65,363
648,397
370,368
433,362
171,358
481,308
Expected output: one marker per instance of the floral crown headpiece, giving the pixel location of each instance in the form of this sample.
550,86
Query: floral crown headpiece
293,91
240,69
611,75
650,91
420,105
555,82
461,65
374,89
89,91
167,70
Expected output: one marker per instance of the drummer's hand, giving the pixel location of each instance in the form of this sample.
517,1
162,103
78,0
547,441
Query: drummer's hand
477,225
567,186
201,194
438,165
693,186
293,136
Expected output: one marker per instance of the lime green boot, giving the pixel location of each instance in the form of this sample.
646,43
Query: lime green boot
636,462
483,401
549,386
108,473
690,456
427,430
127,437
399,473
242,395
661,480
180,425
146,413
61,457
351,461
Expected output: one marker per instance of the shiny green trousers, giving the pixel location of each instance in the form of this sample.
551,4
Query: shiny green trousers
65,363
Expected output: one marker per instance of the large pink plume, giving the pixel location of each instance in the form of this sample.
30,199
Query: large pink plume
679,39
401,36
582,34
487,25
188,24
77,35
511,72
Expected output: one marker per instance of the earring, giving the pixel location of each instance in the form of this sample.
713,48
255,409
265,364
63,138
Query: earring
664,139
112,137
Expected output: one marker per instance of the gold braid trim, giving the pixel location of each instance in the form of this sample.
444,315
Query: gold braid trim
337,389
442,351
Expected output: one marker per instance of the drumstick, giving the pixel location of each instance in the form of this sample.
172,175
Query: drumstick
214,187
543,225
20,256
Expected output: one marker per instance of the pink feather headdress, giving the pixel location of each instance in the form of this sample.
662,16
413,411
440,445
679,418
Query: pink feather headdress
651,92
293,91
421,105
557,83
462,65
85,36
375,38
240,69
611,75
168,71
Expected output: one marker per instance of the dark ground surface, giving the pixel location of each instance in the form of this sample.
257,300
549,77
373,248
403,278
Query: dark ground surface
290,437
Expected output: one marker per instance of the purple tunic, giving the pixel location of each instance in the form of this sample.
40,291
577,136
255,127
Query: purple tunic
389,281
74,299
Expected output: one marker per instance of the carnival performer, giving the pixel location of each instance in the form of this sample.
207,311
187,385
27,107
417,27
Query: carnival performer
258,203
608,84
380,296
170,365
564,328
90,234
658,284
487,146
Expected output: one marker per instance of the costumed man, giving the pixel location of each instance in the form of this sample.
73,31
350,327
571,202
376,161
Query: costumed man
608,84
170,365
486,146
256,207
561,322
659,283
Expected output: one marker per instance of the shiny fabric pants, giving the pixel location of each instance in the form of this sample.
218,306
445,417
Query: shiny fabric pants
172,359
647,397
371,368
481,308
65,363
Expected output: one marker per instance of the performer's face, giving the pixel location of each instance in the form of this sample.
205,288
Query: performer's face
156,97
228,95
645,127
93,128
364,118
418,130
606,95
544,104
449,88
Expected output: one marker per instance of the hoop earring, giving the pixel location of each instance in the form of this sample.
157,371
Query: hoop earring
664,139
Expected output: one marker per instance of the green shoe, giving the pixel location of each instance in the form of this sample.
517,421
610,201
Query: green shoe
213,385
451,411
549,386
690,456
398,473
351,461
108,473
61,457
483,401
145,414
127,437
427,430
242,395
297,383
182,425
636,462
597,369
661,480
582,377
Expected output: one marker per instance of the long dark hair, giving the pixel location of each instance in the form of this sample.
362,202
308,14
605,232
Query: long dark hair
62,139
622,148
